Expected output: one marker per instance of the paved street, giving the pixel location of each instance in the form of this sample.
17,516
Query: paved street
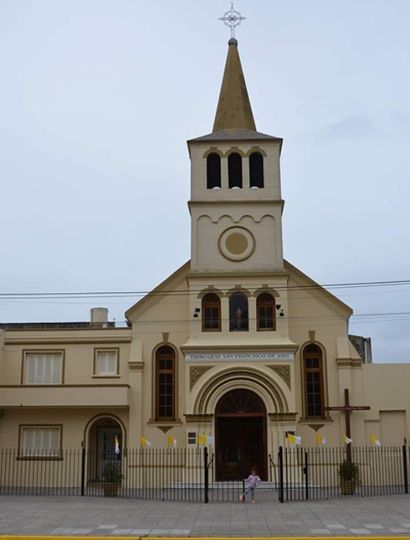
388,515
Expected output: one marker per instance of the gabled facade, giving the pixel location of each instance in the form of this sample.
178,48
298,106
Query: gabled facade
237,344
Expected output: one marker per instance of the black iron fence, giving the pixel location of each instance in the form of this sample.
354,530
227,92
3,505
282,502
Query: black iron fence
165,474
181,474
40,473
324,473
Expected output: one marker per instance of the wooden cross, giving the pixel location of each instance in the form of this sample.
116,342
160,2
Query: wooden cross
347,409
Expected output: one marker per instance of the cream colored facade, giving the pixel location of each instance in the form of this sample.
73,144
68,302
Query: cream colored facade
236,247
82,394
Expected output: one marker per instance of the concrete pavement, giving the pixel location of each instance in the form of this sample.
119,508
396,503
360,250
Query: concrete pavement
88,516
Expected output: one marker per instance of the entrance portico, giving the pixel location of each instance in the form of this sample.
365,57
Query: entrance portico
247,409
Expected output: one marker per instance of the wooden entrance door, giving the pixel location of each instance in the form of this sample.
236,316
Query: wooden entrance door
240,433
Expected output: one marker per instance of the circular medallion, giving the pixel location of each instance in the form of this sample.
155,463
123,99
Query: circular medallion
236,244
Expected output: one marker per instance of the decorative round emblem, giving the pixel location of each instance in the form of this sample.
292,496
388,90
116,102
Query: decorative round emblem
236,244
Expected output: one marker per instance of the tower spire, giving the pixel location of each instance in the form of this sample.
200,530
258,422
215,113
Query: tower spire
234,109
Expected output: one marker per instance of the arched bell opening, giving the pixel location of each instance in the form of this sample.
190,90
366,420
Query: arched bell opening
240,435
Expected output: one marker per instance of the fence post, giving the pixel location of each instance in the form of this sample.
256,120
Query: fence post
206,476
280,463
405,471
306,471
82,470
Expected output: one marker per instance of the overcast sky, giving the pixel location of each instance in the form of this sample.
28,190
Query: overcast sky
98,98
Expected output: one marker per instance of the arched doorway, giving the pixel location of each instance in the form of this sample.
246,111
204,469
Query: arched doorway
240,435
104,445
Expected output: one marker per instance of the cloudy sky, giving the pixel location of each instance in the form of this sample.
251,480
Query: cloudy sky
97,99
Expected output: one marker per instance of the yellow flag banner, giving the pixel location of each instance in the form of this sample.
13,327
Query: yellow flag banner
320,440
206,439
374,440
294,439
202,439
348,440
172,442
145,443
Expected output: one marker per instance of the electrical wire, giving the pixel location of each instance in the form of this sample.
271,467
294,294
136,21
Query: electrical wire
123,294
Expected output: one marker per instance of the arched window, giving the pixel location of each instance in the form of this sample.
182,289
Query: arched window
238,313
213,171
235,170
211,313
265,312
256,170
313,381
165,383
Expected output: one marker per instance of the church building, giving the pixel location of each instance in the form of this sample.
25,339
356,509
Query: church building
237,345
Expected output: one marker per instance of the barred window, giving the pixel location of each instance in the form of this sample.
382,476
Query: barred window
211,313
165,383
43,368
106,362
40,441
313,381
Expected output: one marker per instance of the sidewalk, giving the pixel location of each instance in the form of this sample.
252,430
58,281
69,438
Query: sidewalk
350,516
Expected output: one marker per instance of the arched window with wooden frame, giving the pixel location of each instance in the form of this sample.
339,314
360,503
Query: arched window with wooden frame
234,170
312,358
213,171
165,383
265,312
256,179
211,313
238,312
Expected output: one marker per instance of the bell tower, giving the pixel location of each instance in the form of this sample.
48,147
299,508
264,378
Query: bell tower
236,204
237,281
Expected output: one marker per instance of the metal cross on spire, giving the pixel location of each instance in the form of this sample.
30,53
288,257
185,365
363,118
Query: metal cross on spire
232,18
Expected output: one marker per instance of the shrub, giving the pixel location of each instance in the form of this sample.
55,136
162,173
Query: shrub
348,470
112,473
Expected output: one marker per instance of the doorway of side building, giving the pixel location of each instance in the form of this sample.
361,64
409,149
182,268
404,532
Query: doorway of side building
105,438
240,435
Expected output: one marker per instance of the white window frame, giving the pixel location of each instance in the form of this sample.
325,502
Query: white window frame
45,441
192,438
44,375
109,373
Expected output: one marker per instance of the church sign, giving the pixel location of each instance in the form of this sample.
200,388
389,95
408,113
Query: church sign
238,356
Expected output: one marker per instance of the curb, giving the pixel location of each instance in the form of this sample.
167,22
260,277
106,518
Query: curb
52,537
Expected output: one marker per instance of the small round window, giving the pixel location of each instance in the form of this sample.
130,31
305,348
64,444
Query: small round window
236,244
